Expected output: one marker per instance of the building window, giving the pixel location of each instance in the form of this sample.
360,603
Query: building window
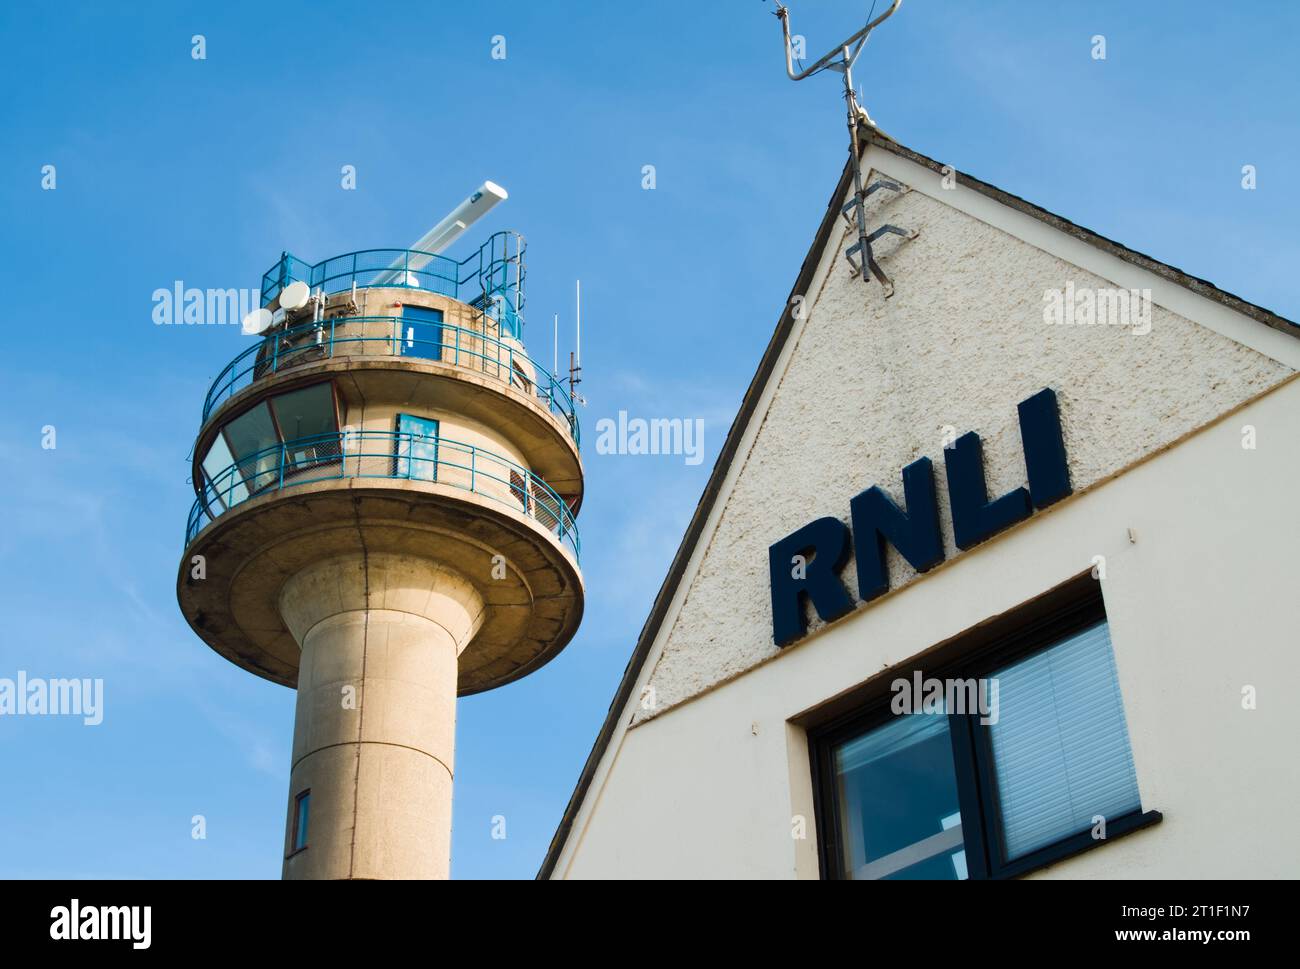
1017,756
546,506
898,799
417,448
272,441
519,488
301,817
308,423
1060,749
253,441
222,480
519,378
421,332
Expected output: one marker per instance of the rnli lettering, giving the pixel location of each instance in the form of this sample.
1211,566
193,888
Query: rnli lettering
807,563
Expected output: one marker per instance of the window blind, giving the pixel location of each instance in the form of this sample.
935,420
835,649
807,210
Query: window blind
1060,747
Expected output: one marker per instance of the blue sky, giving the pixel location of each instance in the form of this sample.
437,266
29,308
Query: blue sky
172,169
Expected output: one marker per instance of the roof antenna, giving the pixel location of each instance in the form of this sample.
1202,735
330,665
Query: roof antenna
575,358
841,59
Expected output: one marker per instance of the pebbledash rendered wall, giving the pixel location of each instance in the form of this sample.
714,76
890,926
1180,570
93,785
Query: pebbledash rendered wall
705,772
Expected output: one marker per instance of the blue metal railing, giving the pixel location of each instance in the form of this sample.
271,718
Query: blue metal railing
386,336
482,279
384,454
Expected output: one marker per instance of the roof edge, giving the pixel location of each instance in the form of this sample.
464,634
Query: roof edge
1201,287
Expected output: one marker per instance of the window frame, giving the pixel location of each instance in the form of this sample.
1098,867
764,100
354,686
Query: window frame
408,457
519,378
299,798
1017,635
328,449
266,401
519,488
248,473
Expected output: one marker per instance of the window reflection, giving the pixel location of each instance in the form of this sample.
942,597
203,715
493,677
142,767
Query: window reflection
898,804
309,425
417,447
252,441
291,431
226,484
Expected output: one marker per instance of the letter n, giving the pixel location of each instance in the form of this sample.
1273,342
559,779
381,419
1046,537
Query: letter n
828,540
1040,431
915,533
974,517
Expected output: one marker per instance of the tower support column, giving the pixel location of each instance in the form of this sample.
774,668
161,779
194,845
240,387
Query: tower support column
375,722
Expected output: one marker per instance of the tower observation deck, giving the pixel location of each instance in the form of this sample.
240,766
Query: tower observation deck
386,486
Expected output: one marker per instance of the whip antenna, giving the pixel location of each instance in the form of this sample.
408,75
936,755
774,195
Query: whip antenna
841,59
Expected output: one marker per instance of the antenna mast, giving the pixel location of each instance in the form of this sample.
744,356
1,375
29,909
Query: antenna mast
575,355
842,58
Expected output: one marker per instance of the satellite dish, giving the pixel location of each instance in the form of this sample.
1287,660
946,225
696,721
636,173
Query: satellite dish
258,321
295,295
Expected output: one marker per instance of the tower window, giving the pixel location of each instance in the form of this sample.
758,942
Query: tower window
417,448
273,441
301,817
519,378
308,423
222,482
252,440
546,506
518,488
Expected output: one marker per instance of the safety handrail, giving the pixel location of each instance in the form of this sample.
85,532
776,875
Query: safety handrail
383,454
384,336
488,267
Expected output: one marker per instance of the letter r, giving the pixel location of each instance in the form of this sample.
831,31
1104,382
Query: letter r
828,541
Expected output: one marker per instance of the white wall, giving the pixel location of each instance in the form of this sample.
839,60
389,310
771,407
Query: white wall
867,385
1201,605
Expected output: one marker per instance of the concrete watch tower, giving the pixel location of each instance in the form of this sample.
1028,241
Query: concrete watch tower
386,488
